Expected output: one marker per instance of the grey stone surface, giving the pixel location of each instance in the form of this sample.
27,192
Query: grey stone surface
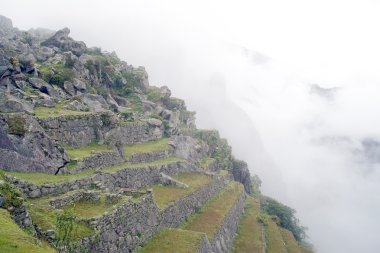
32,151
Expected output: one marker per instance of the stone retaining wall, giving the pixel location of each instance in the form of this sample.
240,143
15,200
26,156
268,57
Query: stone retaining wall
81,130
106,159
133,223
99,160
224,238
124,178
70,199
150,157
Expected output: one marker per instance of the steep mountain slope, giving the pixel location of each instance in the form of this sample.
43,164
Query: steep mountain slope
95,159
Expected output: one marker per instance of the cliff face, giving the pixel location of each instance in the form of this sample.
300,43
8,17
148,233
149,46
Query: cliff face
84,134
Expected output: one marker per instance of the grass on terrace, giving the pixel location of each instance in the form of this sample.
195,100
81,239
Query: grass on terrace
88,209
174,241
163,195
43,112
248,239
275,243
290,241
78,153
42,178
146,147
14,240
45,215
211,216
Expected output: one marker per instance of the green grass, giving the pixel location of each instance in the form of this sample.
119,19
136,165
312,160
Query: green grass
87,209
42,178
163,195
78,153
146,147
275,243
205,162
15,240
45,215
212,215
43,112
248,239
174,241
290,241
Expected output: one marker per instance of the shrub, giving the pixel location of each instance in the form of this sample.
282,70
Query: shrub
17,125
154,94
263,219
286,216
65,223
56,74
106,119
11,195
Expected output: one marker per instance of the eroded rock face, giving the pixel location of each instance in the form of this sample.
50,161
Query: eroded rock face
62,41
24,146
188,148
241,174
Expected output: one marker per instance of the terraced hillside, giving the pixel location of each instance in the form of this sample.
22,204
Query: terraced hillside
95,159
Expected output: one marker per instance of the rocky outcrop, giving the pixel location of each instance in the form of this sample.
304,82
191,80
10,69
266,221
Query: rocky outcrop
241,174
188,148
62,41
24,146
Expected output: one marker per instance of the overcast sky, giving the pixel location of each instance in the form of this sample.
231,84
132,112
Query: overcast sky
248,68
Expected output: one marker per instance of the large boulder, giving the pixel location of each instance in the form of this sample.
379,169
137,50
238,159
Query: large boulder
188,148
24,146
62,41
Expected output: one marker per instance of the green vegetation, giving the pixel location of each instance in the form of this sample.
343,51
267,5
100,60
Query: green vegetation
205,162
290,241
56,74
43,112
147,147
45,216
275,244
218,147
212,215
43,178
163,195
65,223
88,209
78,153
286,216
11,195
248,239
174,241
15,240
154,94
17,125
